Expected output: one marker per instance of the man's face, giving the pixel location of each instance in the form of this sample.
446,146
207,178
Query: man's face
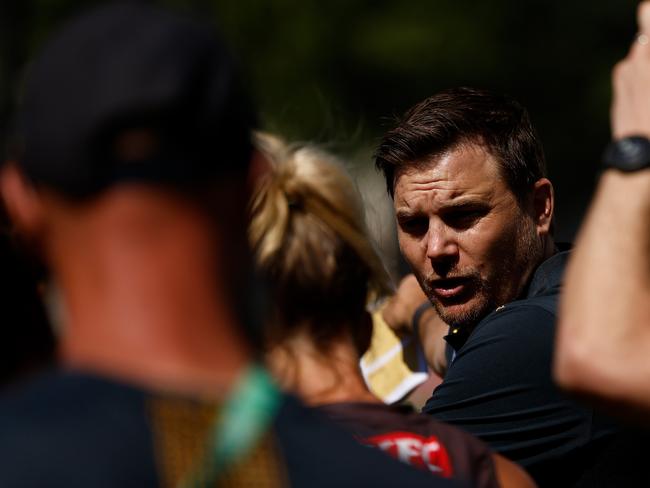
468,241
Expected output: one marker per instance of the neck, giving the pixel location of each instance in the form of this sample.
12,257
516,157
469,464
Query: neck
550,248
156,319
320,376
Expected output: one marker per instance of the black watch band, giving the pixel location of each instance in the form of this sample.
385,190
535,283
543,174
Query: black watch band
628,154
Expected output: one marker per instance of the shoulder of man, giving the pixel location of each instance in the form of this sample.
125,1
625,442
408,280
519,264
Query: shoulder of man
500,388
543,307
515,323
525,325
74,431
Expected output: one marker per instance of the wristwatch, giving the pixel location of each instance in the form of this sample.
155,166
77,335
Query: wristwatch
628,154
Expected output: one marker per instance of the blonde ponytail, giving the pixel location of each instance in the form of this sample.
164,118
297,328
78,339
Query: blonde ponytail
309,236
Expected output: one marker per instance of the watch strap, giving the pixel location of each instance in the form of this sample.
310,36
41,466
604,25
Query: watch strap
628,154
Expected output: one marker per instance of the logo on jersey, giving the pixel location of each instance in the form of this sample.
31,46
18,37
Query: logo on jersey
416,450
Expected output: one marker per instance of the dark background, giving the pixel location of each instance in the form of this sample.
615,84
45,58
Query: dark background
336,71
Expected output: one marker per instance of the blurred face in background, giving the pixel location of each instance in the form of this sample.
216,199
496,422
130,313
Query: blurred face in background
466,237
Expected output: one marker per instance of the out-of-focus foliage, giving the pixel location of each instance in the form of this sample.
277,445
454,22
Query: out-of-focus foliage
338,69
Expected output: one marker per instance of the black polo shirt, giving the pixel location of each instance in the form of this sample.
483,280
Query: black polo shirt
499,387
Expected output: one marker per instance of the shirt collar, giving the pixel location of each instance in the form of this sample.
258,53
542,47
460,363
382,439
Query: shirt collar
548,275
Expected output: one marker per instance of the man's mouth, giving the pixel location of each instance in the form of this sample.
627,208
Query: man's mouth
449,288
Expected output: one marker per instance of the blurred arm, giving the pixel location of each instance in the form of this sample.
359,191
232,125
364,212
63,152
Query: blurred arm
511,475
398,314
432,331
603,342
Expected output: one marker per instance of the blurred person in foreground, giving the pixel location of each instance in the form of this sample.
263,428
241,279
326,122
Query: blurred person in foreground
603,343
309,236
130,176
474,214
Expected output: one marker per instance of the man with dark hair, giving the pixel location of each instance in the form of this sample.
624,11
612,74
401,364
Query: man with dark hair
474,214
131,161
467,115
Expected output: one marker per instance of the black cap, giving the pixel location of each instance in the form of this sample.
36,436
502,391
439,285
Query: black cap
129,92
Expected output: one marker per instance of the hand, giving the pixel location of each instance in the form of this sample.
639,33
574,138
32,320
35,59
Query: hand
398,314
398,311
630,111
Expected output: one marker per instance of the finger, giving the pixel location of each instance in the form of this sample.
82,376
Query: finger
643,17
641,44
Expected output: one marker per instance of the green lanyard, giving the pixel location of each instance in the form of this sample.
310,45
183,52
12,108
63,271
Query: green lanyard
246,415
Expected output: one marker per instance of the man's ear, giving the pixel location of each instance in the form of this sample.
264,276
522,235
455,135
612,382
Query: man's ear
23,203
543,203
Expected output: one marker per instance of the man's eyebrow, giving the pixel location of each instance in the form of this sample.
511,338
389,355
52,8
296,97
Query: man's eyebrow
405,213
463,204
460,204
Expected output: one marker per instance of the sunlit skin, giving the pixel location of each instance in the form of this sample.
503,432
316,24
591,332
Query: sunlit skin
469,242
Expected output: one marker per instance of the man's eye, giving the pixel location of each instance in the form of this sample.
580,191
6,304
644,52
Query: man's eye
414,226
464,219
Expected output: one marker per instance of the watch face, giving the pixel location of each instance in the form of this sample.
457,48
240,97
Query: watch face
628,154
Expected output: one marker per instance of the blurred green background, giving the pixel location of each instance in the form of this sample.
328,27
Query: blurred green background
337,71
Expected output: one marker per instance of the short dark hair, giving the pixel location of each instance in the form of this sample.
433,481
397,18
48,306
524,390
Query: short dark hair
461,115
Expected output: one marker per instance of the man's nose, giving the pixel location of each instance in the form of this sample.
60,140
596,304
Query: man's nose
441,243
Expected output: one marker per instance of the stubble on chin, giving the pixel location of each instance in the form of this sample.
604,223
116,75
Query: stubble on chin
468,317
467,314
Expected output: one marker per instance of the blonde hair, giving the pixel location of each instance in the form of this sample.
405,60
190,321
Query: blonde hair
310,240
